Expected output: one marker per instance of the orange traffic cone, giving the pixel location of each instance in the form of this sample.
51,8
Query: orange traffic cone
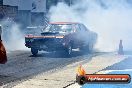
120,51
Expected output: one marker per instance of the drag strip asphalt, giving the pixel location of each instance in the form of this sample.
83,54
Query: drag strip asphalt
23,65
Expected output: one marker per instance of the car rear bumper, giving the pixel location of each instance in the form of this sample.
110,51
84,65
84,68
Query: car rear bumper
46,46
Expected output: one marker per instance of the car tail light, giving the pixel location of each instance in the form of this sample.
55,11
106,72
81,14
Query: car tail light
59,36
29,36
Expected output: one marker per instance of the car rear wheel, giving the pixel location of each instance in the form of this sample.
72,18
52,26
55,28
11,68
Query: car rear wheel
34,51
68,50
90,48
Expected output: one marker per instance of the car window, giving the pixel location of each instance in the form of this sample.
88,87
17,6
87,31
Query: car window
59,28
77,28
83,28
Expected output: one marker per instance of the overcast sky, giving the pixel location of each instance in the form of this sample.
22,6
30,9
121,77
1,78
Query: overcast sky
27,4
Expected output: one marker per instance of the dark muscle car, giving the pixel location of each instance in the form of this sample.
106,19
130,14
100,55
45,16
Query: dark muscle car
64,36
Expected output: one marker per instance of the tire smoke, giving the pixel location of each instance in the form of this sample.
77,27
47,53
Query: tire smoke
12,36
110,19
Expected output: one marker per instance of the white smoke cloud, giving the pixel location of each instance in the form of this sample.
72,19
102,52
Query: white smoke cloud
12,36
111,19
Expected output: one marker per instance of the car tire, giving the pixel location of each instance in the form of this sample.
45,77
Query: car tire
90,48
81,80
68,50
34,51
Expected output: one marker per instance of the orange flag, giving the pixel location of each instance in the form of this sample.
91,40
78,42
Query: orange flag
3,56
